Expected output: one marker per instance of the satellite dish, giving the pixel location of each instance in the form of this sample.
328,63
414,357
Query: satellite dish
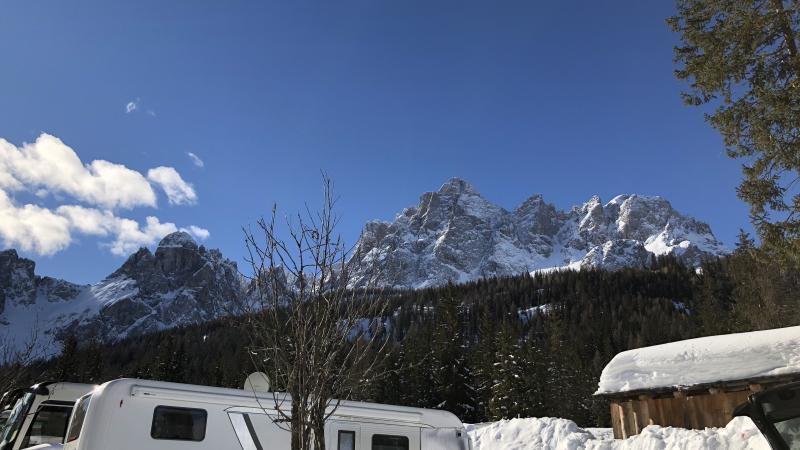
257,382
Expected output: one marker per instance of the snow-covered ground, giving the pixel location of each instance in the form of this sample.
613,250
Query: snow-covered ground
562,434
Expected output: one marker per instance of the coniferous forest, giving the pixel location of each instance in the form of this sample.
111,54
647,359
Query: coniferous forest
496,348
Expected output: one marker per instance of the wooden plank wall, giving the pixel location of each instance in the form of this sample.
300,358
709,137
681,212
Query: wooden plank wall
712,409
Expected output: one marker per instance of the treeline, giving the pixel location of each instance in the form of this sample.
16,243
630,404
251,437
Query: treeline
495,348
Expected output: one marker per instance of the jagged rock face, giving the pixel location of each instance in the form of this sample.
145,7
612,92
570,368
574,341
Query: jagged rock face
17,279
457,235
181,283
20,286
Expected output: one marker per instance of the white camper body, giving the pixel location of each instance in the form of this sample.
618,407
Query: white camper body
130,414
40,415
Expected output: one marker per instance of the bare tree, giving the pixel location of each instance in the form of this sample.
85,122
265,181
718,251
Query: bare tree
312,335
15,357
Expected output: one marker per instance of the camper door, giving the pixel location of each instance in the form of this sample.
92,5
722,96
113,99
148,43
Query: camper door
257,430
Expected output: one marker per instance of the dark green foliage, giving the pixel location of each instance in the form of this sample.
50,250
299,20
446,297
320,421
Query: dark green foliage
67,363
761,292
506,393
484,350
741,57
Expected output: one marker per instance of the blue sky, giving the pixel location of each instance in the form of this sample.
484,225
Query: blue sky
567,99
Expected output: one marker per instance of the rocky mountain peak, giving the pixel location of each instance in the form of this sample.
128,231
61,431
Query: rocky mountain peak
178,239
17,278
457,186
180,283
12,265
136,263
177,253
455,234
535,216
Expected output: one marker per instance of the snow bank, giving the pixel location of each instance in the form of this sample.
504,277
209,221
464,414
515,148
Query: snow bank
704,360
523,434
562,434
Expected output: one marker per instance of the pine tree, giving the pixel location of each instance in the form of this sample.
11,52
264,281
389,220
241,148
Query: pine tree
566,385
764,290
67,363
452,374
93,365
508,393
714,299
742,57
417,369
534,367
388,388
482,359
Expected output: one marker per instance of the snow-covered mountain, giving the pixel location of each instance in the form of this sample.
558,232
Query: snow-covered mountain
452,235
457,235
180,283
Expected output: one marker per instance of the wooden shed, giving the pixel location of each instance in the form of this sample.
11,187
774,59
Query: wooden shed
696,383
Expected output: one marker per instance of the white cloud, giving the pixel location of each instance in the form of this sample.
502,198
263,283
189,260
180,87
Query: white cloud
178,191
132,106
88,220
136,106
199,233
195,159
48,166
32,228
130,236
127,235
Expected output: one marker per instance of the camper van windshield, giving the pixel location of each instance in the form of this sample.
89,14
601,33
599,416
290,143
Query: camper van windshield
15,420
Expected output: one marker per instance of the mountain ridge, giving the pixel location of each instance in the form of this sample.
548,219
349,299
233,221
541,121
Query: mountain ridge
452,235
456,235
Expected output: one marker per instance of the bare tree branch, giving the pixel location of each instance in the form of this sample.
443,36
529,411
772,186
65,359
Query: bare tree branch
313,335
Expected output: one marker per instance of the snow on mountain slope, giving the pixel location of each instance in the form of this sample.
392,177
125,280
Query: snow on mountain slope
181,283
562,434
456,235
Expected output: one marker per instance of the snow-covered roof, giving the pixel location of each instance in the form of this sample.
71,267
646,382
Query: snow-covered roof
702,361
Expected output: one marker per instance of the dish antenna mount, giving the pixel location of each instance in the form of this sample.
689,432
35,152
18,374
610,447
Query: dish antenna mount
257,382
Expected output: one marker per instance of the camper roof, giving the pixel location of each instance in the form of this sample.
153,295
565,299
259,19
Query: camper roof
248,399
61,389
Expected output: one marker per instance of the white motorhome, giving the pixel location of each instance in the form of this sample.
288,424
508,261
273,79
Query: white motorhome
39,415
130,414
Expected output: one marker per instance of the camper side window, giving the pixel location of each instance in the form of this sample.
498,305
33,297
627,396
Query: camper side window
78,415
180,424
347,440
387,442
